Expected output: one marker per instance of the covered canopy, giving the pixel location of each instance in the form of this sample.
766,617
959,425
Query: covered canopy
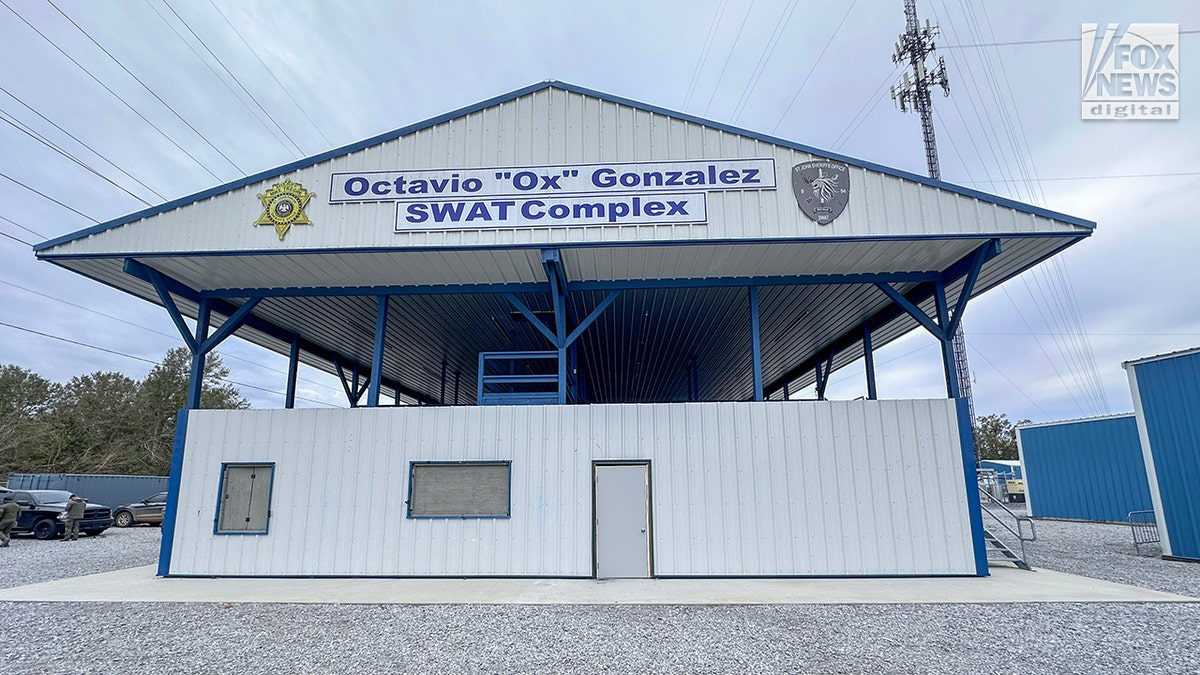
731,288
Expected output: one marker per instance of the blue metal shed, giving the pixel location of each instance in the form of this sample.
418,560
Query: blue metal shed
1089,469
1166,400
1004,468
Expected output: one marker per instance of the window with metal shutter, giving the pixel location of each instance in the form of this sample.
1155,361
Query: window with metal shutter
245,506
459,490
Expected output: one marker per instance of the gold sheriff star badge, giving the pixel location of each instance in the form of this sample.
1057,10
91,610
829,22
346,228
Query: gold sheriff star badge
283,206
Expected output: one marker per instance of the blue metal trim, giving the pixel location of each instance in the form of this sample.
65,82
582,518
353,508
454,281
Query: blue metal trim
221,490
289,400
948,360
974,510
532,318
592,316
404,131
1074,238
381,309
735,282
869,363
343,291
196,381
982,254
755,344
172,510
412,467
913,311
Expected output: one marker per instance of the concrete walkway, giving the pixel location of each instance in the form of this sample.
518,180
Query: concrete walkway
1006,585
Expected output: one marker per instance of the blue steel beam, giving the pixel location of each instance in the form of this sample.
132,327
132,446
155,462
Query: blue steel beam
315,350
755,345
532,318
592,316
869,362
983,253
948,362
381,309
917,295
913,311
289,399
196,377
164,294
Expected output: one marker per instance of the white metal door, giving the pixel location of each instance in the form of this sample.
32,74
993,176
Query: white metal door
622,521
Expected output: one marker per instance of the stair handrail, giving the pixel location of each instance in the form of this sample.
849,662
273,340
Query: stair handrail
1019,533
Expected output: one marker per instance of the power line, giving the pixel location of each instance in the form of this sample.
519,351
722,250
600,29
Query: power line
145,360
25,129
36,234
235,79
785,18
704,52
729,56
147,88
109,90
77,140
1016,43
813,69
5,234
224,354
46,196
270,72
1118,176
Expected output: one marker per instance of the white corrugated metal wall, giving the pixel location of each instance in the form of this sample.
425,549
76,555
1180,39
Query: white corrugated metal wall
772,489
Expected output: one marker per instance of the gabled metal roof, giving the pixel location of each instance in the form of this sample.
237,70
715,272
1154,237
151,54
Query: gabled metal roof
684,303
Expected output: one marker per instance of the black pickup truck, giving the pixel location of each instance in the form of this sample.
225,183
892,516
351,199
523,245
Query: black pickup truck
40,510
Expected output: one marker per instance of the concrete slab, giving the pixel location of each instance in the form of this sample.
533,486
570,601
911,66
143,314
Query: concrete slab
1006,585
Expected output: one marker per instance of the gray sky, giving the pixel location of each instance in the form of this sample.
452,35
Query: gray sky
164,98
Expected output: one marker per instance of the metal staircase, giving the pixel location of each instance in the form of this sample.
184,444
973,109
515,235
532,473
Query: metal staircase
1006,531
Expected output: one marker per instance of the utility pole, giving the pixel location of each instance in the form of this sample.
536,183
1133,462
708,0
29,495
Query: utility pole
913,47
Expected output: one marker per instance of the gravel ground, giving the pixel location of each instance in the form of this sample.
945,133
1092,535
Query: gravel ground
244,638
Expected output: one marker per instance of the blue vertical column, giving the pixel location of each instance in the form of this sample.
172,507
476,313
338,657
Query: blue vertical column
377,354
289,400
196,384
869,362
948,362
755,345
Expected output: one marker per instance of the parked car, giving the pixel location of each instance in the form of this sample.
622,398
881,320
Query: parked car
149,511
40,510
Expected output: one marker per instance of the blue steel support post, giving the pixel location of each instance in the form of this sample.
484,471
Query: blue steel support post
948,363
974,509
196,384
552,261
869,362
173,482
442,391
377,355
755,345
289,400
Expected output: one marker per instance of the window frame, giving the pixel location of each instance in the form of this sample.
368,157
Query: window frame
220,501
412,486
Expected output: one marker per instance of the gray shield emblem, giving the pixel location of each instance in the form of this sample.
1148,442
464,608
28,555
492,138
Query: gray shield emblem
822,189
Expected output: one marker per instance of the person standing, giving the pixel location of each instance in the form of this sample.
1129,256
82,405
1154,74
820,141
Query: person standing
9,513
73,514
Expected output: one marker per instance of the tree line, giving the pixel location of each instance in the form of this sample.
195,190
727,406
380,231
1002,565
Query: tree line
103,422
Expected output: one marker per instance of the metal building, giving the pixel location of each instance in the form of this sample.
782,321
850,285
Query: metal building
569,326
1004,468
1166,401
1088,469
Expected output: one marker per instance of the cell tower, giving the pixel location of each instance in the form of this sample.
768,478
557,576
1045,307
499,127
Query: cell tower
913,47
